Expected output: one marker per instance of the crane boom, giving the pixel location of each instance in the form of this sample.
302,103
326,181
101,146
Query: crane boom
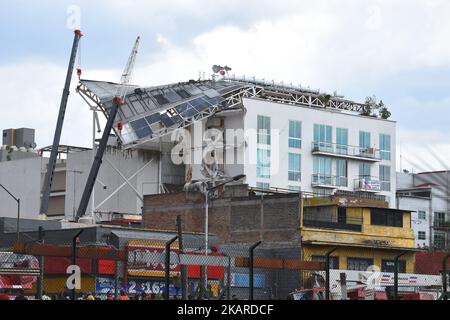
117,102
48,182
128,71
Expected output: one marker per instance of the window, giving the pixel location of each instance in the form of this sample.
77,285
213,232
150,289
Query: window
295,134
342,215
439,240
263,164
341,173
439,219
422,235
342,141
422,215
295,188
389,266
385,178
322,170
295,161
263,130
359,264
323,137
334,261
263,185
385,217
364,170
385,147
364,140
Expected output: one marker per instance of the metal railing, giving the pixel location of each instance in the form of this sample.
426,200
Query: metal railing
368,184
327,180
345,150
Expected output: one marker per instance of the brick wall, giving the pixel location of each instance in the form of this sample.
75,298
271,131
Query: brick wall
273,218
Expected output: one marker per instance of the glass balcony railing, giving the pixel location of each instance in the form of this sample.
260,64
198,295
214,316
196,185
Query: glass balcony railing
345,151
327,180
369,184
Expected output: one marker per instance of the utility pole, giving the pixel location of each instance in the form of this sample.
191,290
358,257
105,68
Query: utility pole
18,211
40,284
184,282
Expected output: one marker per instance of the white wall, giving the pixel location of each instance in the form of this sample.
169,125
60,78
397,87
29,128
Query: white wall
125,200
416,205
23,179
280,115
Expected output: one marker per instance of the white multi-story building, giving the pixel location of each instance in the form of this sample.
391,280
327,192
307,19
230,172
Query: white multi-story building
320,150
301,147
427,194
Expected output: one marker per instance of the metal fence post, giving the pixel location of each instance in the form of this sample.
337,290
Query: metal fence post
74,256
327,273
251,269
183,268
229,279
444,277
396,274
116,281
40,284
167,267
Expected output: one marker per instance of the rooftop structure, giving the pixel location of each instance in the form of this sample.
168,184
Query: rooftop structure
152,112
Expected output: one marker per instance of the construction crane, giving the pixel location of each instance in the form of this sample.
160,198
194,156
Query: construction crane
117,102
48,182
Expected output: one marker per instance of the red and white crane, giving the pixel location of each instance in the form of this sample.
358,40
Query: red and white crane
117,102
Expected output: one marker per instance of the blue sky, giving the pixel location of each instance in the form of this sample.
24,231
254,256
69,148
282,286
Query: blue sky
396,50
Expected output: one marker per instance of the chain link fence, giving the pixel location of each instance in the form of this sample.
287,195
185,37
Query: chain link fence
141,268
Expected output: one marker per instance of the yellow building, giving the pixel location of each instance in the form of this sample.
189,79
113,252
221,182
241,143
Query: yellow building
366,232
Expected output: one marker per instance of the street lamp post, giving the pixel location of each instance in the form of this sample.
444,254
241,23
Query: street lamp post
18,211
207,194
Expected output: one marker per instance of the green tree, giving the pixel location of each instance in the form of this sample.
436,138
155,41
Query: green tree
325,98
383,111
370,105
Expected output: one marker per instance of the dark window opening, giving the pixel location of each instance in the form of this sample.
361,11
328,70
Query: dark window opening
389,266
342,215
334,261
359,264
388,218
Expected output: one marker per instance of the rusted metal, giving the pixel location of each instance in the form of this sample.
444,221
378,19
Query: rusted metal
242,262
66,252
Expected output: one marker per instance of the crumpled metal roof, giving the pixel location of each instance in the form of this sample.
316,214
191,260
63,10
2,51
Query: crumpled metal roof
149,113
105,91
152,112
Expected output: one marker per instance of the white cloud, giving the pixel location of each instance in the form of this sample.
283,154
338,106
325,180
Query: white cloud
329,45
325,44
32,95
422,150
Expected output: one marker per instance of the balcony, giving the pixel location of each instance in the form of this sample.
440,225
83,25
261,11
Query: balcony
345,151
326,181
329,224
440,224
367,184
